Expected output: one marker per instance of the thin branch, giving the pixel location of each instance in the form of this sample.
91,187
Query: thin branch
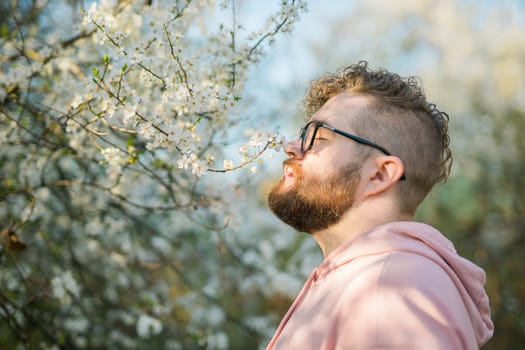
267,35
120,197
242,164
177,59
232,33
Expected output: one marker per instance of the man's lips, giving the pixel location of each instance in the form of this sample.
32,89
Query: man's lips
288,171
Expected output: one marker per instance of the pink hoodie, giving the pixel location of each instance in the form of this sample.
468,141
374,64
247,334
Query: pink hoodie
399,286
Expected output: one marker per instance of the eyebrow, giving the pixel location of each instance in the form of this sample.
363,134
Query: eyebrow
326,122
322,120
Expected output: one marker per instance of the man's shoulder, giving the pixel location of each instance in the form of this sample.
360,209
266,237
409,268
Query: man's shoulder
388,283
392,269
408,268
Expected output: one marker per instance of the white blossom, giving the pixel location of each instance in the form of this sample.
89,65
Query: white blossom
228,164
148,326
77,324
217,341
64,286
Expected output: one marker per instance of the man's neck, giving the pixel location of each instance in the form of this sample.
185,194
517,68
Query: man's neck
355,222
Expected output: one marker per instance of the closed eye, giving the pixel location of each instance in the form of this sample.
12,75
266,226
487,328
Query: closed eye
320,140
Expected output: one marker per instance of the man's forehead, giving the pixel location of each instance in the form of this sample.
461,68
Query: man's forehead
340,110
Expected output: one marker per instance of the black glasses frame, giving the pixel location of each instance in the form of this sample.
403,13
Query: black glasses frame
305,148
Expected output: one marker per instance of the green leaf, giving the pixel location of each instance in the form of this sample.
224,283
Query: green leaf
158,163
4,31
94,70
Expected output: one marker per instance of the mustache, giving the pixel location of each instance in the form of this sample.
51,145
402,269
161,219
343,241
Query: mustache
292,163
295,167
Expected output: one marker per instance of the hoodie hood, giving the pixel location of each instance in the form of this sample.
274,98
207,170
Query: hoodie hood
424,240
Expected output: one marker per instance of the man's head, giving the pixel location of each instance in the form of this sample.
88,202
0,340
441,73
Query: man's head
404,135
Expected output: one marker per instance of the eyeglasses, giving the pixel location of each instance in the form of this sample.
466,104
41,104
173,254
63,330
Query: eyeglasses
309,132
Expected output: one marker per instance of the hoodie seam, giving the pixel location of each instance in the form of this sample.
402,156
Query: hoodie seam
379,295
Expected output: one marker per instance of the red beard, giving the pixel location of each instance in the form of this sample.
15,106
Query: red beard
314,203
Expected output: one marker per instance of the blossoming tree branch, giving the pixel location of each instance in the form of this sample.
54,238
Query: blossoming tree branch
110,116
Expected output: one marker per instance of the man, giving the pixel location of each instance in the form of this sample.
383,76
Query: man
370,153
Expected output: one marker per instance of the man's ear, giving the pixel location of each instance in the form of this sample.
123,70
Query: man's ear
382,173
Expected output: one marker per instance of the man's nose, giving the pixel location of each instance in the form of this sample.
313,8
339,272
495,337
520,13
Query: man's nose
293,149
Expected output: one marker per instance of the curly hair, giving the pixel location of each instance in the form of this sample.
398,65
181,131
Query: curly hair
399,117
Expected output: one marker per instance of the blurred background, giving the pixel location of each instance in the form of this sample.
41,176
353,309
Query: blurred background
230,287
471,58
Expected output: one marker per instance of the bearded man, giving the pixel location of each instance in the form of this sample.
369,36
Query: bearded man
371,151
